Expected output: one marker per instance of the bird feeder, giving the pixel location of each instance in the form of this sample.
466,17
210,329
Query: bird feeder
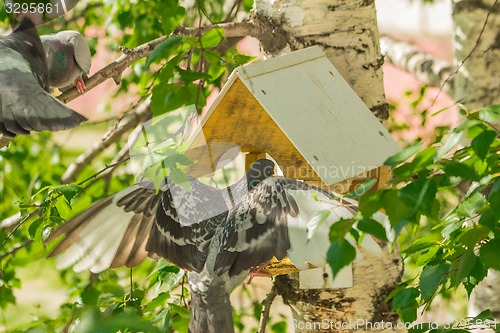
298,109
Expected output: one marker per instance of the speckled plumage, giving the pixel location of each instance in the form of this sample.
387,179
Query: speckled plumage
25,104
218,235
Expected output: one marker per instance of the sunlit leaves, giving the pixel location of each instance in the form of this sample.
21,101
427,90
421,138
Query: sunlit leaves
490,113
167,44
403,155
462,240
94,321
168,97
211,38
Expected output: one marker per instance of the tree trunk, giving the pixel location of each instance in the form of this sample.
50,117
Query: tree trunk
347,31
477,50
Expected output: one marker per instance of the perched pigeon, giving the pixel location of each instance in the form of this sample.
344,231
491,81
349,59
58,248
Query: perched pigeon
218,235
25,104
68,59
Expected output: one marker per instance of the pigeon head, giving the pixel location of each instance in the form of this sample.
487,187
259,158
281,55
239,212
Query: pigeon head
259,170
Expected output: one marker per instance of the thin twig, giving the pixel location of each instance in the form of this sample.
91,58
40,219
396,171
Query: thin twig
15,248
141,114
476,45
266,309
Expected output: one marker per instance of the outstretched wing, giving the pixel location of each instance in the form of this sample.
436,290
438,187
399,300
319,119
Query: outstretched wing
25,104
275,220
137,222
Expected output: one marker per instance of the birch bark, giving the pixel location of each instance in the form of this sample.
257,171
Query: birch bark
347,31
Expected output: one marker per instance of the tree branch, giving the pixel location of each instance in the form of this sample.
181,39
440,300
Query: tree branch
266,309
115,69
264,31
424,66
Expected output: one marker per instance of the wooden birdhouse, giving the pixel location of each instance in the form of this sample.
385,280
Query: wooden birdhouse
298,109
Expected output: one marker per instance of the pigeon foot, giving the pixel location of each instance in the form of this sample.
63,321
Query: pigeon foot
80,85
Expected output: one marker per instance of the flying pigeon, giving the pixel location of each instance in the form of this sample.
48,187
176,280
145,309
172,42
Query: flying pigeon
25,102
68,59
217,235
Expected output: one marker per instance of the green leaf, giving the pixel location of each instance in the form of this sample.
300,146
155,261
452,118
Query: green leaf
405,303
279,327
433,253
361,189
403,155
69,191
159,301
486,314
398,212
179,318
420,194
340,229
90,296
373,227
449,142
169,43
172,17
473,236
477,274
212,38
489,219
168,97
420,245
421,161
494,196
489,254
340,254
431,278
240,59
465,265
490,113
34,227
190,76
470,206
481,143
370,203
461,170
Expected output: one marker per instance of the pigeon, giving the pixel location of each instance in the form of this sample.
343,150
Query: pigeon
25,102
68,59
219,235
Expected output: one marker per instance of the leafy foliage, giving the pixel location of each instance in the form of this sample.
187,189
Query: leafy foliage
453,244
446,197
182,71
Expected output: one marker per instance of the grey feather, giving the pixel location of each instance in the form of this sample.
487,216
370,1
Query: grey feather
218,235
25,104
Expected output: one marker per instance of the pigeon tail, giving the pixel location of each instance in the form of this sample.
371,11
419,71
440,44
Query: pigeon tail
211,310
